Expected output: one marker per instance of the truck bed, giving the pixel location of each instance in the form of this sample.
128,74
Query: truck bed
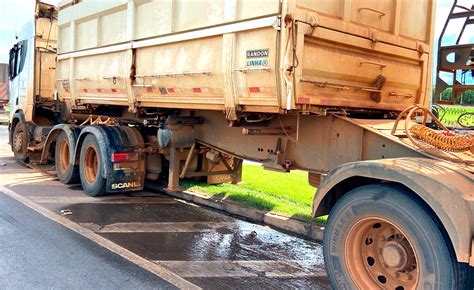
245,56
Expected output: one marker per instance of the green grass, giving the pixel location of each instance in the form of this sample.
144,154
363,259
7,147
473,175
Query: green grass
452,114
287,193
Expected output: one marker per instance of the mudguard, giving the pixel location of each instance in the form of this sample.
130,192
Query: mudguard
113,139
445,187
72,132
19,115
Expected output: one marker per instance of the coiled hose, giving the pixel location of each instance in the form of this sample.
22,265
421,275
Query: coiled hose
445,140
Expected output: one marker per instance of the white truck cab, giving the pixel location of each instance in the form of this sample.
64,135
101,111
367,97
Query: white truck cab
31,73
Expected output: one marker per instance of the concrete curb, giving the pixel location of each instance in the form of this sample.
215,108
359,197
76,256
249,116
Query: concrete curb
302,228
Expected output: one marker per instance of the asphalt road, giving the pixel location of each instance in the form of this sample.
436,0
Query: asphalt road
144,240
38,253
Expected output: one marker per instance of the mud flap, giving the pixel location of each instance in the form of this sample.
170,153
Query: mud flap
123,181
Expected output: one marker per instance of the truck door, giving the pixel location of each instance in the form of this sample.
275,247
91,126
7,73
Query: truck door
13,81
19,79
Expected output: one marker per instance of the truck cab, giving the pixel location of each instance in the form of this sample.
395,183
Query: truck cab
32,65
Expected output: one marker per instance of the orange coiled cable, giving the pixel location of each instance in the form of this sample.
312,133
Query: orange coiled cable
444,140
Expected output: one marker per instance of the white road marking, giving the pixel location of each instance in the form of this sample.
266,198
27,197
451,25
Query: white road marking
216,269
28,178
158,227
156,269
108,200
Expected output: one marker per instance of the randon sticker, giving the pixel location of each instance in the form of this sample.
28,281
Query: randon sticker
257,57
258,53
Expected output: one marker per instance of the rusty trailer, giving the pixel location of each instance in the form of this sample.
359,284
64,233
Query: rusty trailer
165,90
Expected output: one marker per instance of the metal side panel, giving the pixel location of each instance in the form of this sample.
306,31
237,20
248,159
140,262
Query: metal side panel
402,23
110,22
231,70
315,144
231,66
180,73
340,70
98,78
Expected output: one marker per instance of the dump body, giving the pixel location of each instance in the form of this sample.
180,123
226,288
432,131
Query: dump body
246,56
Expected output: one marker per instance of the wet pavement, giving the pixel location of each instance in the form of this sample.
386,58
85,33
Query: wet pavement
38,253
207,248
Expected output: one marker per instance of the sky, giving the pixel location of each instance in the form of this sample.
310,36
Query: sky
14,13
442,10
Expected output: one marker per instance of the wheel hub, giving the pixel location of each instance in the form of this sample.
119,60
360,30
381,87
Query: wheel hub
379,255
64,155
18,142
394,255
91,164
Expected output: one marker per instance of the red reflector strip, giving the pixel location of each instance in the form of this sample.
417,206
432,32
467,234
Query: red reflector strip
170,90
197,90
124,157
85,90
99,90
254,89
303,100
114,90
149,90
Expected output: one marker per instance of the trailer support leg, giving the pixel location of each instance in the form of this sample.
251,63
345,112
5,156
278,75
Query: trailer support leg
237,175
173,178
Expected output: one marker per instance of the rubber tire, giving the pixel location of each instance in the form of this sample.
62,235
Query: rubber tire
435,253
71,174
21,128
96,188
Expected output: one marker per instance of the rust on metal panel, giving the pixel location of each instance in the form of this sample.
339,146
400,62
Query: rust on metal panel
322,144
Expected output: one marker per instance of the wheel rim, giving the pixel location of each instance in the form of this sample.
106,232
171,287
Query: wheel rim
63,155
91,164
379,255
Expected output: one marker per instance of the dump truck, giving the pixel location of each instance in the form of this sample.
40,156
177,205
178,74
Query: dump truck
120,92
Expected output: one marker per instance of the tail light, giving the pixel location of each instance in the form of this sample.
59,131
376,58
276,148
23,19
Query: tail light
125,157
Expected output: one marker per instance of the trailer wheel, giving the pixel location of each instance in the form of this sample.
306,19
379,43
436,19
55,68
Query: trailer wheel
20,142
67,173
377,237
92,180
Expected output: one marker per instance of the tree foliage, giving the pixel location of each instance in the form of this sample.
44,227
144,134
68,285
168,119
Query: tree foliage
466,99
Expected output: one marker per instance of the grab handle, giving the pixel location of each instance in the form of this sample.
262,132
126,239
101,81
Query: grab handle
380,13
372,63
246,69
